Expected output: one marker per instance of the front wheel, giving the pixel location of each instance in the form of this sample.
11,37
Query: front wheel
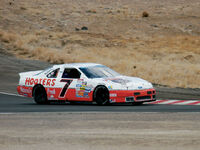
101,95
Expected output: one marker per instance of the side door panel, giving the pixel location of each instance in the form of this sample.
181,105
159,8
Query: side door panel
83,90
73,88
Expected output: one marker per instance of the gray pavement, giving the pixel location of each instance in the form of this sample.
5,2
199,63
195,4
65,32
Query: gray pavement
12,104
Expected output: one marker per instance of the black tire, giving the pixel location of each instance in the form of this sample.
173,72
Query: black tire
137,103
39,95
101,95
73,103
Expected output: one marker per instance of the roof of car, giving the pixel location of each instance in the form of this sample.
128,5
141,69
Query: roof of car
77,65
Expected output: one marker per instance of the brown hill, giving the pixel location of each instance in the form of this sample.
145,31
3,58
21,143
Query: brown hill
156,40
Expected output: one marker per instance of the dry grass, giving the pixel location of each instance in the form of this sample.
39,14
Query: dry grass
155,61
155,48
7,37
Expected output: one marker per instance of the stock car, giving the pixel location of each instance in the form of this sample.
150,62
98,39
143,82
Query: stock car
84,82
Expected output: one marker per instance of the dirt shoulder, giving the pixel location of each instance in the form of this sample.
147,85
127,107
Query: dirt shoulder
113,131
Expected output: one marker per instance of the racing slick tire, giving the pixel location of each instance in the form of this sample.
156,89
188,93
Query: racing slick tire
39,95
101,95
137,103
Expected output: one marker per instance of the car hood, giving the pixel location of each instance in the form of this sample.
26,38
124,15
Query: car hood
127,83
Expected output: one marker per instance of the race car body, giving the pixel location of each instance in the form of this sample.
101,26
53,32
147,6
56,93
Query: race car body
84,82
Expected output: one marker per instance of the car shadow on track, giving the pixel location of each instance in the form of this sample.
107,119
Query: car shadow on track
88,104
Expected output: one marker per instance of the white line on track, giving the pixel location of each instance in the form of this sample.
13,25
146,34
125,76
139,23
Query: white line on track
12,94
86,112
71,112
4,113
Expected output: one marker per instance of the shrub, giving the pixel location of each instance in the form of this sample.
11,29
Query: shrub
145,14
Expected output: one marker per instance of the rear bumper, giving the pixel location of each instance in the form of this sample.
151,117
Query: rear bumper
123,96
25,91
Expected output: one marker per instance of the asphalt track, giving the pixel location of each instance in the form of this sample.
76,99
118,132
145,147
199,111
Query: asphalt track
17,104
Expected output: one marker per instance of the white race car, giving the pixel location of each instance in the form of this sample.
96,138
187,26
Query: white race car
84,82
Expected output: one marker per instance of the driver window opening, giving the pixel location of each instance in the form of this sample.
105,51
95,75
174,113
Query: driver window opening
71,73
53,74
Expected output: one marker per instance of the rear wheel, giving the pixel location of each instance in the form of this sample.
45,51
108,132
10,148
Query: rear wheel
101,95
39,95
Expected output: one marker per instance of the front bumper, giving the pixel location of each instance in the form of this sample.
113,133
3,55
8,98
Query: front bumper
122,96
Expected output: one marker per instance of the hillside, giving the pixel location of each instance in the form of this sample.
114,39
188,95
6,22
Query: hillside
156,40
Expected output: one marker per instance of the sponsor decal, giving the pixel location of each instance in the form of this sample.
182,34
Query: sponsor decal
52,92
45,82
78,85
25,90
82,89
85,95
84,83
110,87
113,95
88,89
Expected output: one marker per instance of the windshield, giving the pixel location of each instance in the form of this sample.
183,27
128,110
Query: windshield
98,72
